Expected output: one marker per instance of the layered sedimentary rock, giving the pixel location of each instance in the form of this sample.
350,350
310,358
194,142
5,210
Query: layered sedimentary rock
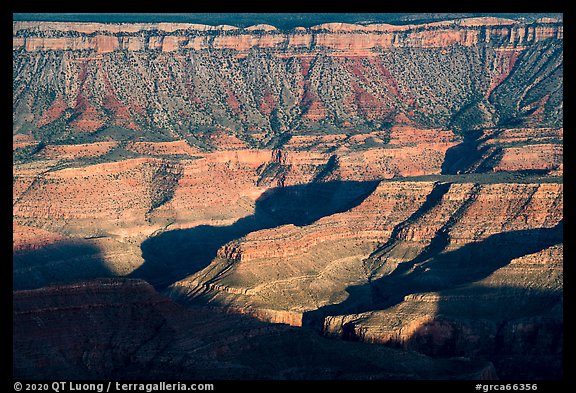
174,184
170,184
521,150
303,268
380,256
493,318
398,185
335,36
259,91
125,329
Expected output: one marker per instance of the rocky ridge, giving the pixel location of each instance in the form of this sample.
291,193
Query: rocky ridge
116,328
342,38
451,76
396,185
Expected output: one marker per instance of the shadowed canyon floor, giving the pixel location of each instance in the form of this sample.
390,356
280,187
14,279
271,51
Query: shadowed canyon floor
174,255
434,270
341,201
118,327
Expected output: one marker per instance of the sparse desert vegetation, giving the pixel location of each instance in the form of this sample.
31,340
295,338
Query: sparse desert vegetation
389,191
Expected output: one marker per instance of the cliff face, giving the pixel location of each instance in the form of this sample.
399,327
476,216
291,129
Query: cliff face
115,195
341,38
125,329
304,268
397,185
74,80
508,317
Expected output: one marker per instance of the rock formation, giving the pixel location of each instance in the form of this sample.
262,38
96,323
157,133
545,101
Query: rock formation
337,37
296,192
117,328
179,78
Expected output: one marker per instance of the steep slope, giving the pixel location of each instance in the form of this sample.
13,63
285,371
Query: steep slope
390,233
77,80
399,185
512,317
124,329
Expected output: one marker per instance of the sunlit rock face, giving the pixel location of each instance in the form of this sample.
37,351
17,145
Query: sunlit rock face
115,328
378,191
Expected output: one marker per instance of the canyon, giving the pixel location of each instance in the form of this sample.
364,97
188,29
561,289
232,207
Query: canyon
140,329
344,201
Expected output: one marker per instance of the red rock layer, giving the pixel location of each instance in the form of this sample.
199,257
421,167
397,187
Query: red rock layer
162,148
86,199
124,329
292,268
338,38
223,186
541,157
30,238
83,150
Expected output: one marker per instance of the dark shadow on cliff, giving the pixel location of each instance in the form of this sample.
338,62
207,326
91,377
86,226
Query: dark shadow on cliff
174,255
517,328
436,270
462,157
59,263
123,329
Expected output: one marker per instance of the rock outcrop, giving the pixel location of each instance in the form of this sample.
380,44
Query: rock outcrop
74,80
303,268
338,37
124,329
395,185
493,318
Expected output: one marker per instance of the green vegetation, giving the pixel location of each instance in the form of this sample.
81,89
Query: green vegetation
183,95
536,78
25,154
476,115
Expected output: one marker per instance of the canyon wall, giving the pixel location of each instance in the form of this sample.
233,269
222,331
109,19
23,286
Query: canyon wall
114,196
396,185
341,38
509,317
119,328
261,86
302,268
